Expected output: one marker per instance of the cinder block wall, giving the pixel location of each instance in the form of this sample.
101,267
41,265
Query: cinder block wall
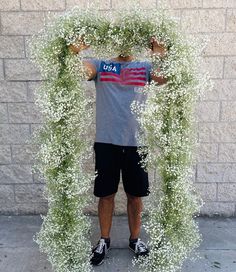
215,177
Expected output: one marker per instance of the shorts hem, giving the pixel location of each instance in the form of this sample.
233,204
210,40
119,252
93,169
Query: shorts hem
104,195
138,195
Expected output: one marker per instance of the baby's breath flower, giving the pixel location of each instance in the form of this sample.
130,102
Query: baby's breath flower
167,133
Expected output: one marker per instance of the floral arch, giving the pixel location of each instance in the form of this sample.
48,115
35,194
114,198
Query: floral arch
167,122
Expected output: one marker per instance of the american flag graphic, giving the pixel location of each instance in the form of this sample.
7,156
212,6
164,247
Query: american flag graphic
112,72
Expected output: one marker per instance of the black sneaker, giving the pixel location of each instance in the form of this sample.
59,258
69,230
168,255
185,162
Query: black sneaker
139,248
99,252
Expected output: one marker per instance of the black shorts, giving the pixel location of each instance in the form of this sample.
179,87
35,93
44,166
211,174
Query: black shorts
112,159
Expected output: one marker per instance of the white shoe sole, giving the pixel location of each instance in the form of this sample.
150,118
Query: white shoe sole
136,253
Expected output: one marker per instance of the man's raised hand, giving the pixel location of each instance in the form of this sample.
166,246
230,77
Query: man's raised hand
157,47
81,45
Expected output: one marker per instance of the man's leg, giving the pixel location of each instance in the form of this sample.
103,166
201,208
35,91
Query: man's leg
105,212
134,209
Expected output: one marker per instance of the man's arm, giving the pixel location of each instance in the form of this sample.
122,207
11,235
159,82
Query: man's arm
89,67
159,49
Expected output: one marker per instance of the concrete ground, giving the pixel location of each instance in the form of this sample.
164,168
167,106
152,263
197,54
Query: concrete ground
19,253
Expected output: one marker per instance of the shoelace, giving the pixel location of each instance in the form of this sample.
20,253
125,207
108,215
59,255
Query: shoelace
140,246
100,246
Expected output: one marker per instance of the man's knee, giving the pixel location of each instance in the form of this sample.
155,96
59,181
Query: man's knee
133,199
108,198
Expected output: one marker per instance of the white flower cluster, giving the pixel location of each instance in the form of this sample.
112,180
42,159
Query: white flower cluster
166,123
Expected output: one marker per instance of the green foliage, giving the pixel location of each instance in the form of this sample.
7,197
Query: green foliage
167,131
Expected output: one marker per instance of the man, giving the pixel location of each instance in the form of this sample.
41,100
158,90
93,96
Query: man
119,81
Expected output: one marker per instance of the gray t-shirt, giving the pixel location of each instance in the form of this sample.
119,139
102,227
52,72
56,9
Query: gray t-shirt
118,84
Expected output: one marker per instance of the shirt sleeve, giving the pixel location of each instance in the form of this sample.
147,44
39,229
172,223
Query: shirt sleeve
96,63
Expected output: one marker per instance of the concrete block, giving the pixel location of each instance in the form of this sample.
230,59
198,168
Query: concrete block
35,128
13,91
24,153
42,5
220,44
15,173
207,191
211,135
200,20
21,70
30,193
230,67
89,164
92,207
182,4
148,4
37,178
6,194
228,111
9,208
32,89
224,89
214,65
218,209
50,17
12,47
175,14
28,40
8,5
1,70
231,20
227,89
90,89
91,132
22,23
5,154
227,152
207,111
3,113
32,208
216,172
24,113
219,4
227,192
212,94
105,4
207,152
217,132
16,134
